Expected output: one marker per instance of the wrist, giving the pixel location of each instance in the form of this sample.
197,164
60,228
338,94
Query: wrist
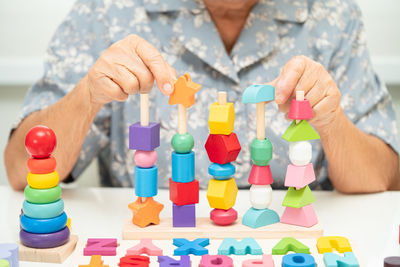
335,124
85,94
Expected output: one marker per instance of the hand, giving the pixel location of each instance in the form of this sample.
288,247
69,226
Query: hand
303,74
129,66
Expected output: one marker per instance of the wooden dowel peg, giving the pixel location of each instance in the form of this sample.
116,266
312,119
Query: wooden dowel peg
260,120
222,97
182,127
299,97
144,109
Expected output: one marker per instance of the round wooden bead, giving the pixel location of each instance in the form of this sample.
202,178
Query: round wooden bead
221,171
43,211
42,166
43,226
43,181
42,196
223,217
146,181
261,152
182,143
260,196
300,153
40,141
49,240
145,159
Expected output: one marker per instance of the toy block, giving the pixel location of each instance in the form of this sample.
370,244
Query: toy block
221,171
299,176
223,217
43,211
300,153
182,143
145,138
246,246
195,247
184,91
300,110
46,240
298,259
145,159
261,152
95,261
134,260
334,260
328,243
145,213
9,252
183,167
221,194
255,218
42,166
43,226
42,196
40,142
184,216
289,244
56,254
43,181
266,261
145,246
146,181
101,246
258,93
166,261
304,216
222,149
216,260
221,118
260,175
298,198
300,132
389,261
4,263
184,193
260,196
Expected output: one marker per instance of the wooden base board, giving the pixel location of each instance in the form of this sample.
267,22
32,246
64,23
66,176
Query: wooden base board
205,228
51,255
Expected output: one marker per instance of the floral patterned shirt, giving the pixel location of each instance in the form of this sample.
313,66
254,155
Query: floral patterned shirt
328,31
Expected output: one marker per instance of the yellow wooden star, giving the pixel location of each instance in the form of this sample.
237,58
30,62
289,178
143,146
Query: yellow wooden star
184,91
147,212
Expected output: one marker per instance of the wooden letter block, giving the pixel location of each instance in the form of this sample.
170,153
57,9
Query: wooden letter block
101,246
304,216
222,149
166,261
134,260
334,260
221,194
145,213
328,243
216,260
184,193
266,261
293,260
145,246
9,253
246,246
221,118
195,247
289,244
95,261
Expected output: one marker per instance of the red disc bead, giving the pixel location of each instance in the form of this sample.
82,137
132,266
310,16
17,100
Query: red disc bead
42,166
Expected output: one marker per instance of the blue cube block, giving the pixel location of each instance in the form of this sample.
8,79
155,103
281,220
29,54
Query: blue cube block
184,216
145,138
183,167
221,171
146,181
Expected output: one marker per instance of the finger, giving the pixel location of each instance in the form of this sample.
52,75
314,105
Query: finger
113,90
309,79
142,74
291,74
126,80
153,59
325,110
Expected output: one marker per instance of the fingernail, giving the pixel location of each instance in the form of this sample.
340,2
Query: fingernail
167,88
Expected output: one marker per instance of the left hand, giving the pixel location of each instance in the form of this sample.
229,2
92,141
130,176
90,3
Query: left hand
303,74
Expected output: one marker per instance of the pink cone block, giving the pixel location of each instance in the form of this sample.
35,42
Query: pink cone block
299,176
260,175
145,159
145,246
304,216
266,261
300,110
216,260
101,246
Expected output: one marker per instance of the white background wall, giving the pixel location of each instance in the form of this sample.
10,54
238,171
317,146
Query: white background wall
26,27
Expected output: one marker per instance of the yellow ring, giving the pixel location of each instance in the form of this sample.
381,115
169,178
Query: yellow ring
43,181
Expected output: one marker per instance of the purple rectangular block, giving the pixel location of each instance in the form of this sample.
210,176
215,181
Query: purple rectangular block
184,216
145,138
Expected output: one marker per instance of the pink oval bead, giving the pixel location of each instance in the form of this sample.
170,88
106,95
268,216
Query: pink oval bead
223,217
145,159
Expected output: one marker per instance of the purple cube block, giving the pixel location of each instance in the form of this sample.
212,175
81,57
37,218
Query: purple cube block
145,138
184,216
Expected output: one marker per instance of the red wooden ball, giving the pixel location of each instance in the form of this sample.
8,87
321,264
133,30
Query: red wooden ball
40,141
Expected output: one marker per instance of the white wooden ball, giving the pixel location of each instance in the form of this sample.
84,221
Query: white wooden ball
300,153
260,196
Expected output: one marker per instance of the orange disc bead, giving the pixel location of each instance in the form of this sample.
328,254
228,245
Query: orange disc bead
42,166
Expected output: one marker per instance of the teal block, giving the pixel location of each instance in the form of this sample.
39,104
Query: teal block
221,171
258,218
246,246
335,260
258,93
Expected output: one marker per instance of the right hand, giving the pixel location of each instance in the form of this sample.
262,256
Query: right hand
129,66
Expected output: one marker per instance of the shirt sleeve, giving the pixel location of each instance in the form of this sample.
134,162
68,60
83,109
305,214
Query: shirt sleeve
75,46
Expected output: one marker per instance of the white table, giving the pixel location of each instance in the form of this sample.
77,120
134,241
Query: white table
370,222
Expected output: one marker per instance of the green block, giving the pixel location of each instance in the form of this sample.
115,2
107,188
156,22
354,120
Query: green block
298,198
261,152
182,143
300,132
289,244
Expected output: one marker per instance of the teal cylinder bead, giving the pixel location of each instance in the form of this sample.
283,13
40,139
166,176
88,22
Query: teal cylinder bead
261,152
182,143
43,211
